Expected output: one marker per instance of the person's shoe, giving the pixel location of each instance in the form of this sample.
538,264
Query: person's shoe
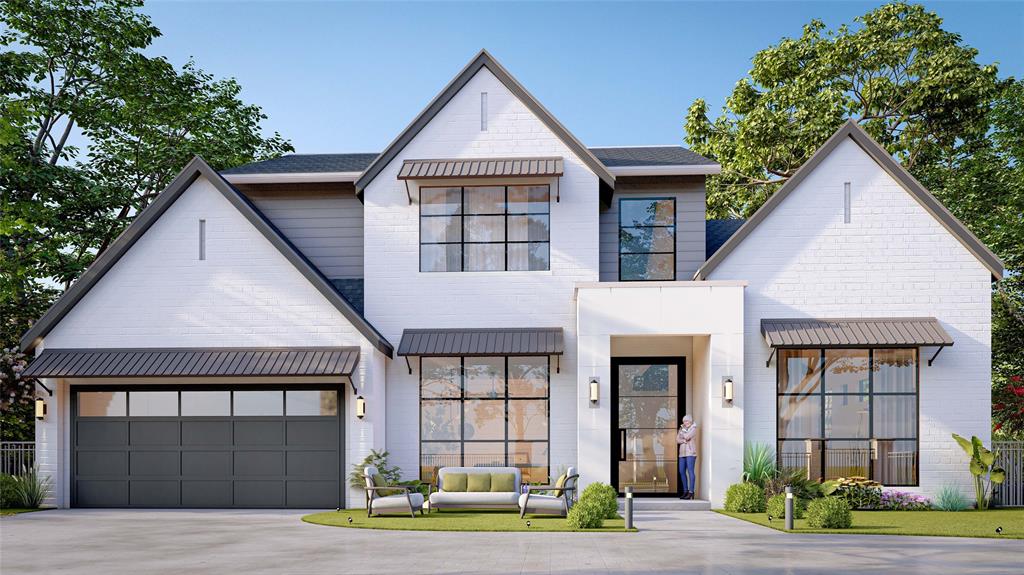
682,495
691,495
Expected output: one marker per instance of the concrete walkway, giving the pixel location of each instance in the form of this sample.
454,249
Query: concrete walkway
137,541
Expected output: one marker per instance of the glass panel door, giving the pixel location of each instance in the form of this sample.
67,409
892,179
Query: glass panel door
647,397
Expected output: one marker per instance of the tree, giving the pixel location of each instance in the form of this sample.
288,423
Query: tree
74,71
920,92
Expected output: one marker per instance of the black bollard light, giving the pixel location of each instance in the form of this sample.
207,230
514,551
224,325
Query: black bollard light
789,508
629,507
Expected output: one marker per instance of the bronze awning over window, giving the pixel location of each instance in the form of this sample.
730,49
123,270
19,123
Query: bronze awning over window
195,362
478,342
855,332
481,168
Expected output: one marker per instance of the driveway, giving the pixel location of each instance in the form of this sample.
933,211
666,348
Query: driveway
137,541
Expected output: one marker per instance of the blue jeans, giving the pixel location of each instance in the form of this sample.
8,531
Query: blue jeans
686,473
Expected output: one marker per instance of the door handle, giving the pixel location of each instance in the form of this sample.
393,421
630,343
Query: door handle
622,445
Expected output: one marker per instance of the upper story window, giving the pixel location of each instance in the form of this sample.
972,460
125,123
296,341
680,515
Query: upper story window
647,239
485,228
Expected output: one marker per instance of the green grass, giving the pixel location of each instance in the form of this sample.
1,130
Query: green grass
17,510
454,520
935,523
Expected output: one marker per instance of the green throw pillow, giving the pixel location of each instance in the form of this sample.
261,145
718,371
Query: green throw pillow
377,481
560,483
454,482
479,482
503,482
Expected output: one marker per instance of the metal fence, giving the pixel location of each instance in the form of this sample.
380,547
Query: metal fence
1011,458
16,457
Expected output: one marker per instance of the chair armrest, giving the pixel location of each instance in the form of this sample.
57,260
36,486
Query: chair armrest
388,488
542,488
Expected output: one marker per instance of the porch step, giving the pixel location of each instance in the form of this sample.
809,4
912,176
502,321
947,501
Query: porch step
666,504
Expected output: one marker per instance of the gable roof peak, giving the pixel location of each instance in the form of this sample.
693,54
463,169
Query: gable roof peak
853,130
483,59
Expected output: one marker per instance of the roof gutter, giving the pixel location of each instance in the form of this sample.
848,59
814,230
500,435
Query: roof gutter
673,170
292,178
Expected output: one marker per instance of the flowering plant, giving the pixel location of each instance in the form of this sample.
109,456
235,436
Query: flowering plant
903,501
1008,405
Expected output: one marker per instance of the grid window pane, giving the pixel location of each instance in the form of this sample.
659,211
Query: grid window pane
434,456
440,201
527,419
895,370
847,459
485,200
531,458
485,377
441,257
440,377
532,228
259,402
440,419
895,462
102,403
528,376
485,257
441,229
895,416
153,404
205,403
801,454
647,267
529,257
529,199
799,416
846,371
846,416
485,419
485,228
799,370
311,402
484,454
647,212
647,240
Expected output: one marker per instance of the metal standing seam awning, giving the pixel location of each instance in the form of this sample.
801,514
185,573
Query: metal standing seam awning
547,166
195,362
481,342
855,333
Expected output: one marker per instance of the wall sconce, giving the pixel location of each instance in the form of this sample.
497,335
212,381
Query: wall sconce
40,408
595,390
727,390
360,407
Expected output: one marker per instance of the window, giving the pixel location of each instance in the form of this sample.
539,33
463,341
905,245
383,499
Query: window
647,239
484,412
485,228
849,412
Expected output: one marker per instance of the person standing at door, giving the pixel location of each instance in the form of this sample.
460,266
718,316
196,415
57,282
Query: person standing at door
687,440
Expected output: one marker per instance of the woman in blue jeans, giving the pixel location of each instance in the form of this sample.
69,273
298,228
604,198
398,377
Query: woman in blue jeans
687,440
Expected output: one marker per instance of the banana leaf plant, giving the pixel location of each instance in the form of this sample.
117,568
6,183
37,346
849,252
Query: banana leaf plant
984,469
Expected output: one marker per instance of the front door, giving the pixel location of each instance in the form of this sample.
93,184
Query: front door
647,393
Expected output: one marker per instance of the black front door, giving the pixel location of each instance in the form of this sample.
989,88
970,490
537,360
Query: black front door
647,395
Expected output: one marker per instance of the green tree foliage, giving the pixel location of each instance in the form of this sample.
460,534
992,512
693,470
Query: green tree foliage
74,71
919,91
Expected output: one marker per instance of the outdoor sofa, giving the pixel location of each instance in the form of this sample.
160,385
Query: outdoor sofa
476,488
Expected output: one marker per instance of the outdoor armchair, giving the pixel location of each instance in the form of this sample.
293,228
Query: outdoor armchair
406,501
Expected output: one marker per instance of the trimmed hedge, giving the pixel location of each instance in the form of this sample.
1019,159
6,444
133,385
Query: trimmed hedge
8,492
745,498
604,496
777,506
829,513
586,514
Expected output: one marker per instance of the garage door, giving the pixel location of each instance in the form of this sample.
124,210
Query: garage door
207,447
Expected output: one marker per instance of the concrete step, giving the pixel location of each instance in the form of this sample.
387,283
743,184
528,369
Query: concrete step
666,504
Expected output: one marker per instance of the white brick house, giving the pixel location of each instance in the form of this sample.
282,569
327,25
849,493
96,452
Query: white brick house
488,291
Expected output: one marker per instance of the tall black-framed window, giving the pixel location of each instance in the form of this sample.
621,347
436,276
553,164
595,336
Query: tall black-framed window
485,411
849,412
647,239
485,228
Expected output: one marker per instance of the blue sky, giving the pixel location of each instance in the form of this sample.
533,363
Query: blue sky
347,77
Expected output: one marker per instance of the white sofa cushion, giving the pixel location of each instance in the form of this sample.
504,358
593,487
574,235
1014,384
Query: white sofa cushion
398,502
468,498
542,502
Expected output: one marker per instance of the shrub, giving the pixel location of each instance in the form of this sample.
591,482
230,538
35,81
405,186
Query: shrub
859,492
744,498
777,506
758,463
604,496
30,490
7,495
379,459
586,514
950,498
892,500
829,513
803,487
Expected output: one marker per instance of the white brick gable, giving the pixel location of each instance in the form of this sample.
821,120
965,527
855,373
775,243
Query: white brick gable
892,259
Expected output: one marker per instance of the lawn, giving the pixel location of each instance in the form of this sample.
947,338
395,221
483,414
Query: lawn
936,523
447,520
16,510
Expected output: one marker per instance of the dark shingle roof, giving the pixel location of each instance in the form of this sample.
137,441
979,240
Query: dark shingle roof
716,232
649,156
610,157
306,163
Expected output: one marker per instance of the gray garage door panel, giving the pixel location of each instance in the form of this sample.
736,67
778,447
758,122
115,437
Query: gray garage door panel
126,460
